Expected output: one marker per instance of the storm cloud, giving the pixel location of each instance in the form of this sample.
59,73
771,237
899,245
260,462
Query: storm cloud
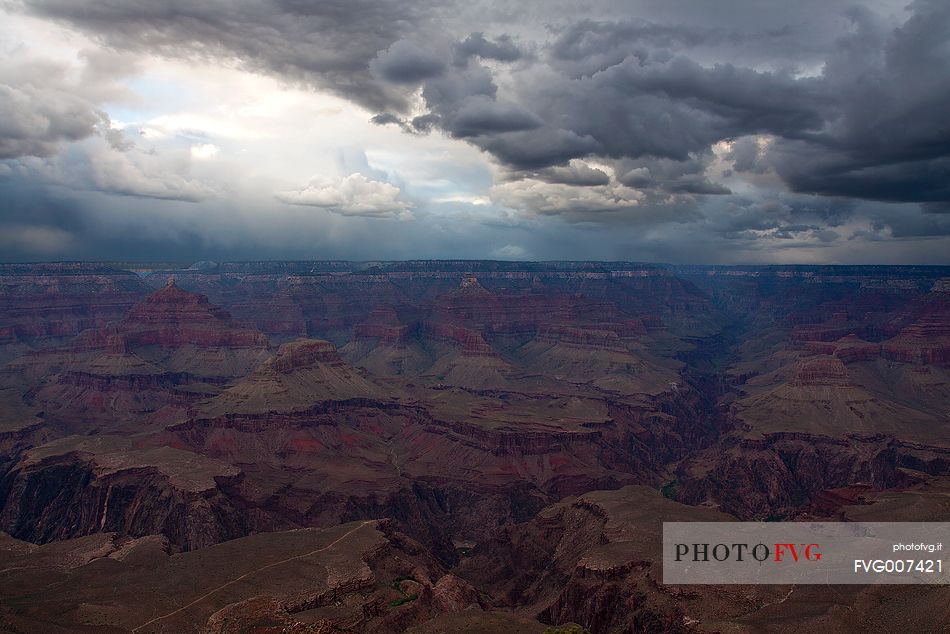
43,108
817,124
328,44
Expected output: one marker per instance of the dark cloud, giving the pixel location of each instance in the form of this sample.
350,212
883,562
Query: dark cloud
482,115
872,125
385,118
884,222
804,219
405,63
424,123
42,109
328,44
537,149
588,46
746,155
636,105
447,94
886,135
502,48
871,122
940,207
640,112
574,173
669,175
807,169
673,108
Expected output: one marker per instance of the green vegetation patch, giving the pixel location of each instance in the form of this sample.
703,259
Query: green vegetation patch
567,629
406,597
409,598
670,490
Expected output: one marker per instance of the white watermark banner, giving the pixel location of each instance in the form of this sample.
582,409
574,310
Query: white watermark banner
806,552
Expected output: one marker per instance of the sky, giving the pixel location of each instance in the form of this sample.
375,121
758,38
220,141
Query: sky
679,131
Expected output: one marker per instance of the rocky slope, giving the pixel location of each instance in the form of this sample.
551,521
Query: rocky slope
514,423
596,560
358,576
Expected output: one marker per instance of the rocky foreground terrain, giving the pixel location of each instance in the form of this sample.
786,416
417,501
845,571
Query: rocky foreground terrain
455,446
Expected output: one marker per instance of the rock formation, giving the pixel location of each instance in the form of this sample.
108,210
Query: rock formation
430,446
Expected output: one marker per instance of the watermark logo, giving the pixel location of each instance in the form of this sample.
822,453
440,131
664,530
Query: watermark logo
742,551
805,552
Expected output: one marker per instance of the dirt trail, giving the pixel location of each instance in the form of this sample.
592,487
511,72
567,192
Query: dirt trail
253,572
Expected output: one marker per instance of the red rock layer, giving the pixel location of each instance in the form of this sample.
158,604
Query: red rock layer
821,371
173,317
821,332
773,475
383,324
388,334
926,341
64,300
849,349
304,354
599,337
471,341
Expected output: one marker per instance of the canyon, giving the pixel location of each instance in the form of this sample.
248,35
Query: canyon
470,446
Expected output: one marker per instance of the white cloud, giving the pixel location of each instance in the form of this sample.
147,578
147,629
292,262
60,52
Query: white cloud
97,165
203,151
510,252
538,197
354,195
478,201
184,124
144,174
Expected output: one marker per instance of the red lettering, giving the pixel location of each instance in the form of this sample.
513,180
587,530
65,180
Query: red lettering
780,551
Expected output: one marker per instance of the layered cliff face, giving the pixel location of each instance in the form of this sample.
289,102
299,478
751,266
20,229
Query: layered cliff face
78,486
173,328
20,426
173,317
779,475
301,373
472,434
440,477
498,414
925,340
595,560
45,304
837,389
168,352
529,339
331,300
